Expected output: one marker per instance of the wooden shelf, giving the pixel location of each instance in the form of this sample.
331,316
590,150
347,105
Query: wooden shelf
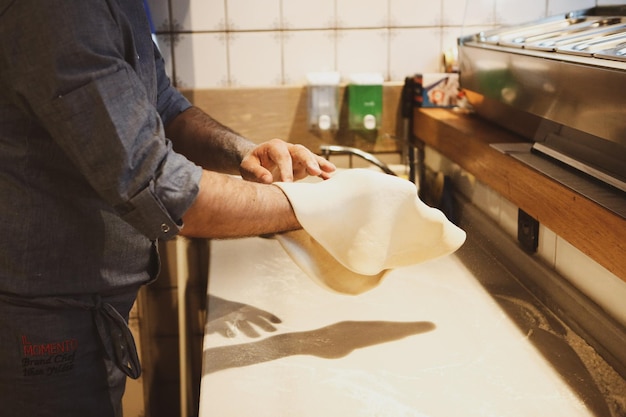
465,139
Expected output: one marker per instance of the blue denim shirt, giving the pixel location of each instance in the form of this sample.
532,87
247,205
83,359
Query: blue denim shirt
88,181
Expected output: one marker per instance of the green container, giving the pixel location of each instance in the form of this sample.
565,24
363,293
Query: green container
365,102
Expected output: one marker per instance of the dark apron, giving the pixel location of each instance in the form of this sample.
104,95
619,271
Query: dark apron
65,356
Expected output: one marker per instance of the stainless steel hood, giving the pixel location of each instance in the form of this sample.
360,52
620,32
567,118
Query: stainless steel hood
561,83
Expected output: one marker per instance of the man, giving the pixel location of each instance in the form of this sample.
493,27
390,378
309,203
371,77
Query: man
92,175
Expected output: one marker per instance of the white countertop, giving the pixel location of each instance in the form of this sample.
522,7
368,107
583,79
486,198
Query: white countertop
429,341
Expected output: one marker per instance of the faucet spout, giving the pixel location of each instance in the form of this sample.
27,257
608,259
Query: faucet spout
327,150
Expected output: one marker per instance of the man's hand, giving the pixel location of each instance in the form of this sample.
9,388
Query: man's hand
277,160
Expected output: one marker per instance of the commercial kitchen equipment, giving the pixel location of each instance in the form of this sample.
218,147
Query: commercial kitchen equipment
560,83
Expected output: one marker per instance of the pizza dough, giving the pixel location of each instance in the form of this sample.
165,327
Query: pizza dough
360,224
322,267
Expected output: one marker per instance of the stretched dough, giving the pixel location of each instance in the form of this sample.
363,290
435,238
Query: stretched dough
322,267
360,224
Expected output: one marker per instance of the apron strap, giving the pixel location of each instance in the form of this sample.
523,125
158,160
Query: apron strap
117,338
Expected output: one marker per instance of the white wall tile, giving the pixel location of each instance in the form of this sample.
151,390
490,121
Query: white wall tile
307,14
362,51
450,36
454,12
595,281
308,51
564,6
412,37
253,14
464,183
487,200
414,13
362,13
509,12
546,250
198,15
409,47
508,217
433,159
468,12
255,59
414,50
204,56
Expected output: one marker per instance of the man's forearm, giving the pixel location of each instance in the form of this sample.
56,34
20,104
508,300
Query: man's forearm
228,207
207,142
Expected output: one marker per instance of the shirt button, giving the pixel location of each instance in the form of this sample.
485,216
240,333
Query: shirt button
165,228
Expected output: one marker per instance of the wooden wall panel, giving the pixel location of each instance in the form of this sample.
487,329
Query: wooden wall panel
281,112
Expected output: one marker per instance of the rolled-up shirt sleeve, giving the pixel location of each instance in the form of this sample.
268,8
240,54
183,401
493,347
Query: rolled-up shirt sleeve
115,136
92,100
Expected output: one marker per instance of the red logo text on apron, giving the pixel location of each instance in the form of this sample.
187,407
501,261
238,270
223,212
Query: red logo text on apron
48,358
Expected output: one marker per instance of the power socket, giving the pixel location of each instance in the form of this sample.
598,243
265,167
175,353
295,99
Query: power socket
527,231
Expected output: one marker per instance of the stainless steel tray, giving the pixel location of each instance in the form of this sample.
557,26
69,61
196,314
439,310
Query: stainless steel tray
593,46
560,40
498,36
519,40
617,54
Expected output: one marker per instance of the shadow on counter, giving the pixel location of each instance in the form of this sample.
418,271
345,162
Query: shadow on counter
330,342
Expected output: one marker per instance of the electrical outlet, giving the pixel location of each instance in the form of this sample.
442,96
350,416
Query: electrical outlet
527,231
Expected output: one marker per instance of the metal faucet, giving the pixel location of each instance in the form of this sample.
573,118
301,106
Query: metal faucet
327,150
